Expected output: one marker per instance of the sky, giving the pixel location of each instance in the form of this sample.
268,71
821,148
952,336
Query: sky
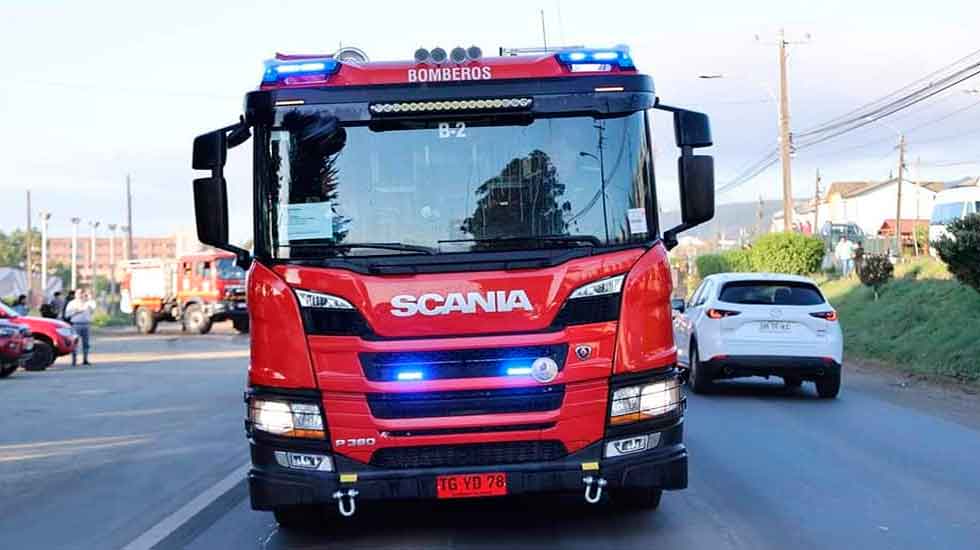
93,91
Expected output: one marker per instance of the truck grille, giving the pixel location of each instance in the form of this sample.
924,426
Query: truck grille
468,363
469,402
479,454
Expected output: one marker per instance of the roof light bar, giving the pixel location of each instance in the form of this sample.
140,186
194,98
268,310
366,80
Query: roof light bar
303,70
451,105
618,57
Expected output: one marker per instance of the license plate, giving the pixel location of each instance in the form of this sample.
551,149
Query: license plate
471,485
775,326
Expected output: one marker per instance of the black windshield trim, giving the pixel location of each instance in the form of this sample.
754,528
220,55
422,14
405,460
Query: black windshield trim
458,262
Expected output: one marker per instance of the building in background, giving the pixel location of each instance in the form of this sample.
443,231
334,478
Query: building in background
59,252
869,203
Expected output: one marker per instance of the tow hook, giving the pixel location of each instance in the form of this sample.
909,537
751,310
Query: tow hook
592,497
351,507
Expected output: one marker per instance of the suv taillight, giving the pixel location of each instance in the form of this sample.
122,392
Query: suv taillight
825,315
722,313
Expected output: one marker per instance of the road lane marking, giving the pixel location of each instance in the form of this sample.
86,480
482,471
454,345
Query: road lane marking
174,521
27,452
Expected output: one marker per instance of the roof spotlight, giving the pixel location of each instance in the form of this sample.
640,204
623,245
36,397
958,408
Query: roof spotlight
473,52
438,55
458,55
422,55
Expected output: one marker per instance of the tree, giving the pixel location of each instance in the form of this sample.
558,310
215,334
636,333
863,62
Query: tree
13,247
787,253
960,249
876,270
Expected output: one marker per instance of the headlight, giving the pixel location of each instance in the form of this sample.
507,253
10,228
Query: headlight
285,418
67,332
642,402
323,301
7,332
610,285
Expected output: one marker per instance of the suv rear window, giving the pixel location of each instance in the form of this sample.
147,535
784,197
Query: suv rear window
771,293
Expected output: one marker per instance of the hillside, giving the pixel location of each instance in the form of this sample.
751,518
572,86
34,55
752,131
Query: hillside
923,322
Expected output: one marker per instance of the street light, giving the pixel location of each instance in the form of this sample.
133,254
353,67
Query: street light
93,225
74,252
45,216
112,258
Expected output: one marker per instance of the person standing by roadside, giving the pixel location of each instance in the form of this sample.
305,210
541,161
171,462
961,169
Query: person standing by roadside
845,255
79,313
20,306
68,299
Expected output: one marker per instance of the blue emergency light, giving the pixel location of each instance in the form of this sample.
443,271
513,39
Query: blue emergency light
618,56
275,70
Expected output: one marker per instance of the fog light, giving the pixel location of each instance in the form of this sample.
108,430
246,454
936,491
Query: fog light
304,461
630,445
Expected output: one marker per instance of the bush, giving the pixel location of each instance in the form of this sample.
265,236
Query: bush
876,271
787,253
960,249
738,261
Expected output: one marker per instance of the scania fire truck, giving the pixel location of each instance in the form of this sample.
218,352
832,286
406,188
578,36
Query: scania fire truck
459,285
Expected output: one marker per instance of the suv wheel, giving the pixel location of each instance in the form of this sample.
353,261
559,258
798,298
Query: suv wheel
241,325
43,357
828,386
699,380
7,370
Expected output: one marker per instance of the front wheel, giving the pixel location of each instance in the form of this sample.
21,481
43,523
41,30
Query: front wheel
195,320
299,517
43,357
241,325
645,498
146,321
699,380
828,386
7,370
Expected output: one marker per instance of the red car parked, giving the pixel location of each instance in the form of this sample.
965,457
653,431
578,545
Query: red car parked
52,338
16,347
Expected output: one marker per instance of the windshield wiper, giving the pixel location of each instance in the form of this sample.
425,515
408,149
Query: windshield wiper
591,240
380,246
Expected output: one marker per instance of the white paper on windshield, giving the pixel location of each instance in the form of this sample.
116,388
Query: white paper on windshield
311,220
637,218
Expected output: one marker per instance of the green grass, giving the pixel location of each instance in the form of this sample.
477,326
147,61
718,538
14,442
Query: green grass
923,321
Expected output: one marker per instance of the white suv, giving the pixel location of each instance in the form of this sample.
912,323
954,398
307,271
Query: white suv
759,324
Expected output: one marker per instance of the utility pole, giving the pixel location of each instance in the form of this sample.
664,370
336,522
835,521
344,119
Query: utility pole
816,206
126,256
74,252
45,216
898,202
112,258
785,143
93,225
918,195
760,215
129,218
544,33
27,246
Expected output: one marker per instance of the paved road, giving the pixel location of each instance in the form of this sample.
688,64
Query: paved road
93,459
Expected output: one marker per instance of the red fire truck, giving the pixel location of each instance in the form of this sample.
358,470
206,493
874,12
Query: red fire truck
197,290
459,286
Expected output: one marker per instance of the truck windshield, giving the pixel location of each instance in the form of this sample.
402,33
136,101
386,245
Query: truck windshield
228,269
460,185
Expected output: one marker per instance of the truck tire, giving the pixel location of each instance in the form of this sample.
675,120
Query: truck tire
241,325
7,370
645,498
828,386
43,357
699,380
299,517
195,319
146,321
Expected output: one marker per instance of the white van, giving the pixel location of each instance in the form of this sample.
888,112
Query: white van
950,205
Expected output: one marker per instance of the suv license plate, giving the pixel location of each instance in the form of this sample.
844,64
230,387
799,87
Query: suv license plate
774,326
471,485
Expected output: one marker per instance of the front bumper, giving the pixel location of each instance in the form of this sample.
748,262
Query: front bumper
228,309
737,366
271,486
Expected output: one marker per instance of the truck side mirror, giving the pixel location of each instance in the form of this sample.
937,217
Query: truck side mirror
696,173
211,193
697,186
210,150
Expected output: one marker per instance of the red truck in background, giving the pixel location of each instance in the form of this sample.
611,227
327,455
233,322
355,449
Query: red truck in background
459,286
16,347
51,338
196,290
